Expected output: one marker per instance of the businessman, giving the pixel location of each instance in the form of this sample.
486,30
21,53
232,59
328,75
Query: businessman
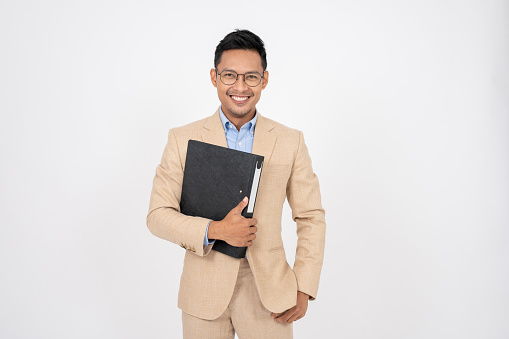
259,296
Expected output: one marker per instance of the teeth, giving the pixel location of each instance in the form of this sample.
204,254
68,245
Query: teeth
239,98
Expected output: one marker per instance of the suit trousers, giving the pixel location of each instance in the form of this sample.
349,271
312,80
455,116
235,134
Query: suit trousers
245,315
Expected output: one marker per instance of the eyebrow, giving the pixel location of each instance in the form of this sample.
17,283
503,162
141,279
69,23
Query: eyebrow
232,70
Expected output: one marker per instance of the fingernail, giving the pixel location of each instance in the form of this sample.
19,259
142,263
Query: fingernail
245,199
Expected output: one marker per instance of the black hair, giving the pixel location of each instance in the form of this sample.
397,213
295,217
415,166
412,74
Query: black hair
241,39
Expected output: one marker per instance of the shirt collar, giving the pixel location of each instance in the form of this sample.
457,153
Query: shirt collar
226,123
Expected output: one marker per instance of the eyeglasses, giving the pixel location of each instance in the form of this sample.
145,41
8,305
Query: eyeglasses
251,79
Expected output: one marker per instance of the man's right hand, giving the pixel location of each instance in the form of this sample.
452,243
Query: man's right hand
234,228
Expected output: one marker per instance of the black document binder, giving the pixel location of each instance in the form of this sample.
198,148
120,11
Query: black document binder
216,179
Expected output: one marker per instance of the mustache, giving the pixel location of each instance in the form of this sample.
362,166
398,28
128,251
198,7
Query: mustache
248,93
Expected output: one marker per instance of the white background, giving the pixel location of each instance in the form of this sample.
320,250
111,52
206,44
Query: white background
404,107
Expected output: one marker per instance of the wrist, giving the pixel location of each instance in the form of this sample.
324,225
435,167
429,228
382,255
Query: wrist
303,295
213,230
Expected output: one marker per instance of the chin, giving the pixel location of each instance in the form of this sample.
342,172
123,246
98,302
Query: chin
239,113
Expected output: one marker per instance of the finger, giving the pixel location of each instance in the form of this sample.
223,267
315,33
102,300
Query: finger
253,229
253,221
283,319
285,316
278,316
294,317
238,209
275,315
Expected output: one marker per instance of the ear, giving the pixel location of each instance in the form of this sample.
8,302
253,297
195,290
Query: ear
265,79
213,77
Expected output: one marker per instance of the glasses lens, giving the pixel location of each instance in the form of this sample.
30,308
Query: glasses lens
253,79
228,77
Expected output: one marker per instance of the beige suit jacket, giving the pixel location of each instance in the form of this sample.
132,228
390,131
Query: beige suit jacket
209,277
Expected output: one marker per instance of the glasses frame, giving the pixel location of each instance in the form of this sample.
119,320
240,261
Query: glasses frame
244,77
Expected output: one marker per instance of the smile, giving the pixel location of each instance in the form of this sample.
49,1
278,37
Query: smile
238,99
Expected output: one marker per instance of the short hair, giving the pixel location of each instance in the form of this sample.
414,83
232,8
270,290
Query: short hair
241,39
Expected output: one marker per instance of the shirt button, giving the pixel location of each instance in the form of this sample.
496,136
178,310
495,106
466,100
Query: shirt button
240,143
231,126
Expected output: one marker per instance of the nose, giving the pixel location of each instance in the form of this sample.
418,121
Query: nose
240,85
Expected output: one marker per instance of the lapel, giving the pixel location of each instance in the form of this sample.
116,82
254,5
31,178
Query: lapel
264,139
213,131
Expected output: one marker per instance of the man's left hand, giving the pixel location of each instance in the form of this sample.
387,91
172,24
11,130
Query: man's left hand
296,312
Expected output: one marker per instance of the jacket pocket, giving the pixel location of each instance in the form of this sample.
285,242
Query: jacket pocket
275,175
276,249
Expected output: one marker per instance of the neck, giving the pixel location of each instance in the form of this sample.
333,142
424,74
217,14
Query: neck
239,121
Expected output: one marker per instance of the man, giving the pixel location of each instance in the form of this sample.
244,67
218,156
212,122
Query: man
258,296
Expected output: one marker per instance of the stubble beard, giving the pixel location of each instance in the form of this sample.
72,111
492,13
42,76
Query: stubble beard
238,113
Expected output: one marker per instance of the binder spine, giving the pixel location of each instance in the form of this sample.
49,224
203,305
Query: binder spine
245,212
254,181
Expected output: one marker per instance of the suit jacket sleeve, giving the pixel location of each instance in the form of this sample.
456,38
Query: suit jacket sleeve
164,219
303,193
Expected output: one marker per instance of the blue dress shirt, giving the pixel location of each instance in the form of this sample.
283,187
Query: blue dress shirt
238,140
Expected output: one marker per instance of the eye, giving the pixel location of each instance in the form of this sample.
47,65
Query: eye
229,75
253,77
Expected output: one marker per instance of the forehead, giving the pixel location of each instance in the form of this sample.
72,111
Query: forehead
241,61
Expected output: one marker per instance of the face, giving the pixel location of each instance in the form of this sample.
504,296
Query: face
239,100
